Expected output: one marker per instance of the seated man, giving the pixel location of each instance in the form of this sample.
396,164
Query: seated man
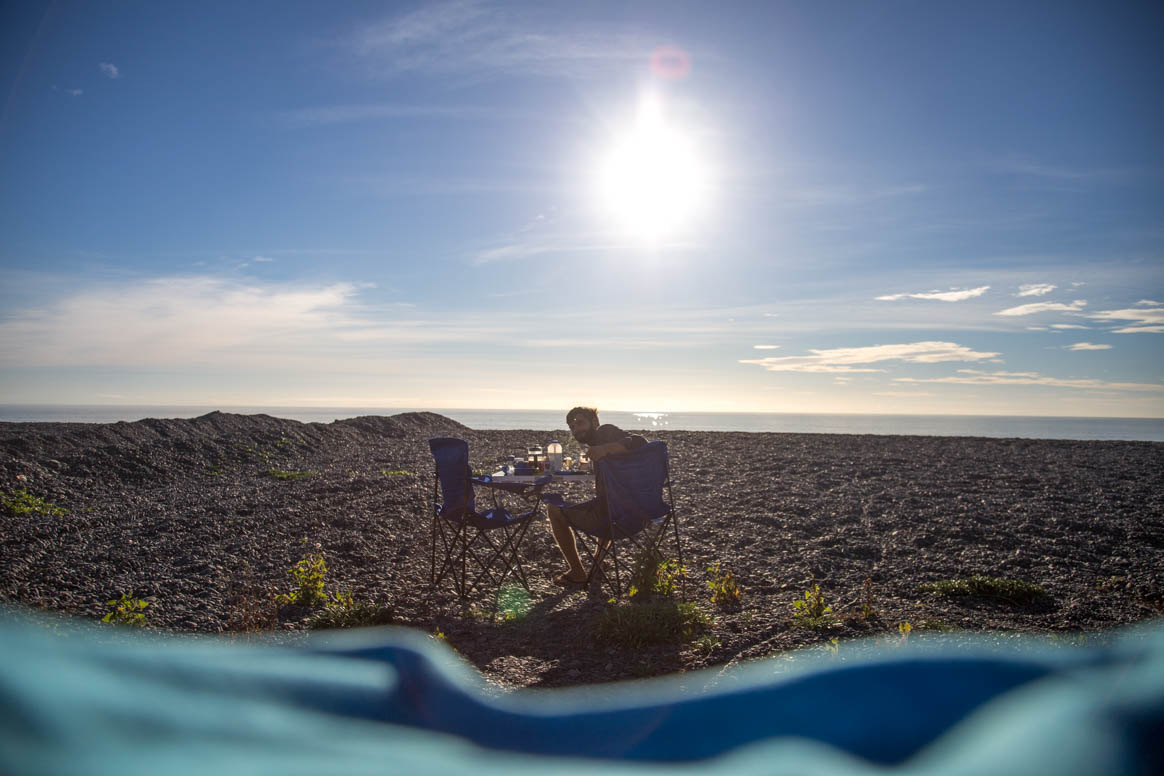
602,440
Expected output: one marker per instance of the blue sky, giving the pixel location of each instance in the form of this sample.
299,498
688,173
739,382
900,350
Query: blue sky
934,207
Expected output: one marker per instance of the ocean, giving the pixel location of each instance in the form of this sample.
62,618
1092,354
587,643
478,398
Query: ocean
1028,427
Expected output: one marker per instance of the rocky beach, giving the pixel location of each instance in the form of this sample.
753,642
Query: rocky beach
203,518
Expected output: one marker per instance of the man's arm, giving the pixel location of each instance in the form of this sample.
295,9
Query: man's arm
617,445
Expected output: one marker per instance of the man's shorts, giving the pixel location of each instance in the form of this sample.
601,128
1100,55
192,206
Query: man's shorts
589,516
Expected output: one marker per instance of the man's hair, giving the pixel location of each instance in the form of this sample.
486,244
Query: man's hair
589,412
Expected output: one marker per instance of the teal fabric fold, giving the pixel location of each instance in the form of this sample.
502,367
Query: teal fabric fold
84,699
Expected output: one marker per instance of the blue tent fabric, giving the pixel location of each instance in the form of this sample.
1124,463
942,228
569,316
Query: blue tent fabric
79,699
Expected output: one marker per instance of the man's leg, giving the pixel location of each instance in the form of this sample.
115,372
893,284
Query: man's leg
564,536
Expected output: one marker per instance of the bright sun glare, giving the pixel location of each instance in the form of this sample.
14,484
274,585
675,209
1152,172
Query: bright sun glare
652,181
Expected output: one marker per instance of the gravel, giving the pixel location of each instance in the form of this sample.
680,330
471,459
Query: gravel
204,517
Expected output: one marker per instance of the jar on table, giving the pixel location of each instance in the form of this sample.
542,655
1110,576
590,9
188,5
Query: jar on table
553,456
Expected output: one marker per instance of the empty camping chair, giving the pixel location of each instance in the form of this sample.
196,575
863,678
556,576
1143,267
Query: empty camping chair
471,545
639,504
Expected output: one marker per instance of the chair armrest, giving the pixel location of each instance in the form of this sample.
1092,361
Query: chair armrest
556,499
520,488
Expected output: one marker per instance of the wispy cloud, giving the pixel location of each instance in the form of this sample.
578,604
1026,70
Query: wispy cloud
1043,307
953,295
766,347
481,40
110,70
846,194
974,377
1087,346
843,360
1068,326
528,248
1036,289
206,321
1145,320
1065,175
343,114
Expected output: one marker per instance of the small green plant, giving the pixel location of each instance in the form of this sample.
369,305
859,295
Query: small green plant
707,644
21,502
126,611
904,629
654,575
868,610
1013,591
282,474
308,575
811,610
654,621
725,592
396,473
439,637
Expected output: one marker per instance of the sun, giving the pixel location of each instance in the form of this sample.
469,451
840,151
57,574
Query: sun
651,182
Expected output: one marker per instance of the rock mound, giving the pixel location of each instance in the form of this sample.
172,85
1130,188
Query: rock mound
405,425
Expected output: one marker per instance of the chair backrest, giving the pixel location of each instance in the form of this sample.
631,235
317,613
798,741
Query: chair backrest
453,473
633,485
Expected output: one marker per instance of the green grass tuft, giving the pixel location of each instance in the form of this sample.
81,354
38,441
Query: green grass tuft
21,502
654,621
282,474
1014,591
346,612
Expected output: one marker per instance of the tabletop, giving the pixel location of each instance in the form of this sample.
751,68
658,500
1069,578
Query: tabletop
558,477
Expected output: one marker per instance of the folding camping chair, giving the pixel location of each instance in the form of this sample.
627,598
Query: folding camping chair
634,485
470,546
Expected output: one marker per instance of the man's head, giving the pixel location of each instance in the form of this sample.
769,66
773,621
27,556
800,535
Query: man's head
583,421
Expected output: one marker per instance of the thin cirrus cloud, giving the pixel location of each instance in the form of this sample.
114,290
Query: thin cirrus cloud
976,377
953,295
1036,289
110,70
846,360
1144,319
478,39
343,114
1043,307
1087,346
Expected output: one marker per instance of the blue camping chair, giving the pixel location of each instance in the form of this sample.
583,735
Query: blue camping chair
471,546
634,485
